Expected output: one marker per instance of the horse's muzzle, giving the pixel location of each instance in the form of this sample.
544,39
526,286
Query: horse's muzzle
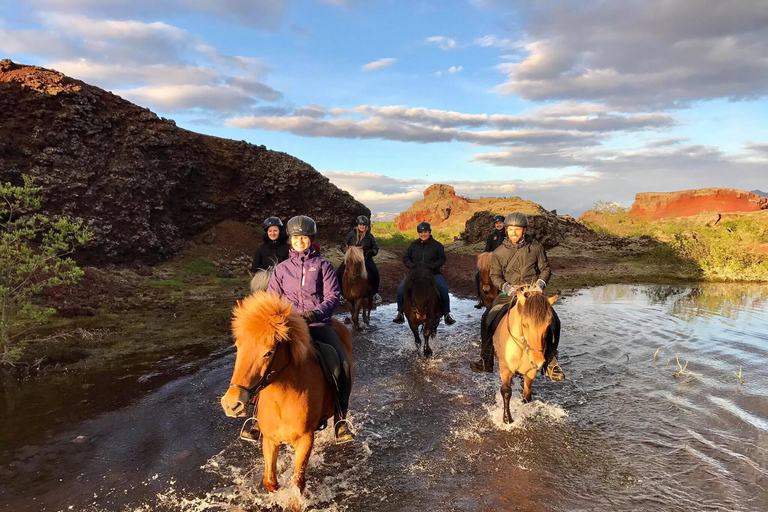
233,402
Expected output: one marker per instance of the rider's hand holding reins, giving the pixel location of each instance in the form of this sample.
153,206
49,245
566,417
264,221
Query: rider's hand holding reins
309,317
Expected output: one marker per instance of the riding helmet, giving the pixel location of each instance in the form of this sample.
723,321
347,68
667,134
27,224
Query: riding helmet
516,219
423,226
498,218
362,219
301,225
272,221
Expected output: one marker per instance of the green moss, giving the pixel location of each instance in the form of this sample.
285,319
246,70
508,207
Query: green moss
166,283
201,267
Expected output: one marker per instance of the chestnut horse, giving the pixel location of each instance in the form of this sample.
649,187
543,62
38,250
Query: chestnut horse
488,291
422,305
525,341
276,360
357,287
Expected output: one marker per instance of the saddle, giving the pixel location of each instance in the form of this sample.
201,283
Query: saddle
330,364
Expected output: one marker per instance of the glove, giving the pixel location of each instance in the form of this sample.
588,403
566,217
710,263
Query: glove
409,265
541,284
370,254
309,316
507,288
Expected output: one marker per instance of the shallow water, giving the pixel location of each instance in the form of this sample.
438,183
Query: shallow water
621,433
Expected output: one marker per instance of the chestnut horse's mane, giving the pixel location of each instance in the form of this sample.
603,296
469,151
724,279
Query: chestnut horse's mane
484,262
266,316
354,259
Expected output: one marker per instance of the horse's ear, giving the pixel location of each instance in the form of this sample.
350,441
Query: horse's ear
239,304
521,296
552,299
288,309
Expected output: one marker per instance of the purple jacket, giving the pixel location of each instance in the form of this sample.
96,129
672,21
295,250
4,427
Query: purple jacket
309,283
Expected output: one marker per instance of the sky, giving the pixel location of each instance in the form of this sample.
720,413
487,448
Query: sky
562,103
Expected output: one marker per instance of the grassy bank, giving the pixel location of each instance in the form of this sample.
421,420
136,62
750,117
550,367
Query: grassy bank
388,235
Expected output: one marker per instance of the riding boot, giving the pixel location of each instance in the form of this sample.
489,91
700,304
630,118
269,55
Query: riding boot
480,304
399,319
449,320
554,371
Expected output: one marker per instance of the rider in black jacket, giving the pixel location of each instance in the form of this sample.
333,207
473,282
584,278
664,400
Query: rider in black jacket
428,253
493,241
274,248
361,236
520,260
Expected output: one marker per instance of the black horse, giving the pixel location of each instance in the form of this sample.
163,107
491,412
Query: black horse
422,305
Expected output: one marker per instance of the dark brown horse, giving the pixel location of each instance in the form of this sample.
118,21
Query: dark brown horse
488,291
525,341
357,287
276,360
422,306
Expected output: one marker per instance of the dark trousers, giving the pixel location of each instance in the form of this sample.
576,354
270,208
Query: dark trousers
373,274
477,285
490,321
326,334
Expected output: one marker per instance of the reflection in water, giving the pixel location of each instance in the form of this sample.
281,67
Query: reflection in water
621,433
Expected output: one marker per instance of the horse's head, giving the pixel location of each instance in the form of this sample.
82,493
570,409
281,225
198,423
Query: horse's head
422,297
269,336
484,266
535,312
354,260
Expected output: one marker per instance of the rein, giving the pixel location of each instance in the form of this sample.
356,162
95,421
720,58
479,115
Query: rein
522,343
264,380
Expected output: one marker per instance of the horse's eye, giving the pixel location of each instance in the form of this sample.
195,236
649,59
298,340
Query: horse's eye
268,354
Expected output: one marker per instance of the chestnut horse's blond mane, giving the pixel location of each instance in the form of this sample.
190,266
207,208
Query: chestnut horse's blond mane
354,259
536,306
484,262
266,316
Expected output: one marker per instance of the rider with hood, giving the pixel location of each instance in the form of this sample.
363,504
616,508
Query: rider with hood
361,237
520,260
493,241
274,247
310,284
425,252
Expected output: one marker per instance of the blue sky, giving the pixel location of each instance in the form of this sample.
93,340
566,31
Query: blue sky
563,103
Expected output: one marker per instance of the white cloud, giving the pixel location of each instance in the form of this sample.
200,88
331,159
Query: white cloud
112,75
379,64
184,97
455,69
443,42
498,42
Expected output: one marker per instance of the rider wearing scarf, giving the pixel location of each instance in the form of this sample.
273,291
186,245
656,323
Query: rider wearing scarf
309,282
518,261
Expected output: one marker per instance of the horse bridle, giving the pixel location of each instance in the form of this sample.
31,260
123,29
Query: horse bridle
264,380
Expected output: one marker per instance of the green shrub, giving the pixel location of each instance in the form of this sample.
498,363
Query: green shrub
202,267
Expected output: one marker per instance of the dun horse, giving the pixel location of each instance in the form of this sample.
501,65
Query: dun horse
525,341
422,306
260,279
276,360
357,286
488,291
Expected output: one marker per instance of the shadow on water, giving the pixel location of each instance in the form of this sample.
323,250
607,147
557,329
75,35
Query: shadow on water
621,433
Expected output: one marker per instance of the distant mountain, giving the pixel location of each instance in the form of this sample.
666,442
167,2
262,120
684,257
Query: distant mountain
759,193
383,216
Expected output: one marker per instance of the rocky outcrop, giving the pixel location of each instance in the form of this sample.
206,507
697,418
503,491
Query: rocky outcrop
654,205
144,185
442,208
547,227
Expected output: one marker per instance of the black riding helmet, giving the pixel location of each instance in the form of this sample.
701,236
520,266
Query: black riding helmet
516,219
423,226
498,218
301,225
272,221
362,219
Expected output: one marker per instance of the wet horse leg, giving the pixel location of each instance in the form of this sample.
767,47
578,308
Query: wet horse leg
527,381
506,390
303,448
427,348
367,310
270,450
356,303
415,330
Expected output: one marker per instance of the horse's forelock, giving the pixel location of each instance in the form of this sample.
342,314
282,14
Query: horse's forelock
354,259
536,308
265,318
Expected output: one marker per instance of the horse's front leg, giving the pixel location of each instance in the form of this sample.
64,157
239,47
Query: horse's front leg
367,310
415,330
355,310
270,450
506,390
427,334
303,448
527,381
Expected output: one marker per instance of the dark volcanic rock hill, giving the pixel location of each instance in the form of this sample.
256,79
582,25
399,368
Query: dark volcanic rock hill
145,185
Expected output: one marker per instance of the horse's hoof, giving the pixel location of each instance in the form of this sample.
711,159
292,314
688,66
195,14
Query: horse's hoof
271,486
507,419
427,352
527,400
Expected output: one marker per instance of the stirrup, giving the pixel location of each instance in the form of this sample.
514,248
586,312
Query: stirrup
245,435
555,371
346,439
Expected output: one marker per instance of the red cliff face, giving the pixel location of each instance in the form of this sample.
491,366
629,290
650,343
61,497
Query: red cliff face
654,206
440,206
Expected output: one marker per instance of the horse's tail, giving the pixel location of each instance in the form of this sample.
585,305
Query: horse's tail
260,280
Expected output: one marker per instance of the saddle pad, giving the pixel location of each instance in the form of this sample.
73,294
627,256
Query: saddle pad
328,360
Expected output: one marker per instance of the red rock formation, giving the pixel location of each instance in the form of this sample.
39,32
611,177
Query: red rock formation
654,205
145,186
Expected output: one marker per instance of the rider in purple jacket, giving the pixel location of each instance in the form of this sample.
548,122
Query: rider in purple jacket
310,284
